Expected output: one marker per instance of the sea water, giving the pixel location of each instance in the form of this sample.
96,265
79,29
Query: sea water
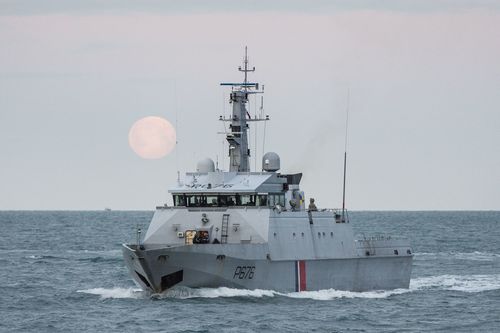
63,272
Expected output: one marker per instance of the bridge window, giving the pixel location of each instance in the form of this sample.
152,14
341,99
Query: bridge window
212,201
247,200
179,200
228,200
222,200
196,200
276,199
262,200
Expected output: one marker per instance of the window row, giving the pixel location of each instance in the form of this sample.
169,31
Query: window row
224,200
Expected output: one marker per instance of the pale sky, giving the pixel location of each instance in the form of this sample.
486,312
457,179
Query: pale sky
424,80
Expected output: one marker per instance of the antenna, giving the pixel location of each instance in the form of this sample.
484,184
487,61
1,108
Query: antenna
255,133
176,103
262,117
345,154
246,70
223,146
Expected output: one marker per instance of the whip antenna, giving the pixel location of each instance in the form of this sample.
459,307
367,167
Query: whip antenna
345,154
176,106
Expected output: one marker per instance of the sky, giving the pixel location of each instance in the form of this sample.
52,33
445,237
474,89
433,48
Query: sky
423,79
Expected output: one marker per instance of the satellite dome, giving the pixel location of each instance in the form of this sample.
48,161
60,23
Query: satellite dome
205,165
270,162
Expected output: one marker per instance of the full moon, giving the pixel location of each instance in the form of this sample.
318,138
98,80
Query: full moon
152,137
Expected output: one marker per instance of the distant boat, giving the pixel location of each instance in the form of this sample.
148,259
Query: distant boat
107,209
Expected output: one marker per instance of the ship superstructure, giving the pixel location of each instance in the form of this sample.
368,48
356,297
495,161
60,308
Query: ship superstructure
252,229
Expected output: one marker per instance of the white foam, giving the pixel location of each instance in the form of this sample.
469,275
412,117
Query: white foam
330,294
464,283
33,257
115,292
184,293
104,252
473,256
327,294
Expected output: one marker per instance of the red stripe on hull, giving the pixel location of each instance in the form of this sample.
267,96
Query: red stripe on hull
302,275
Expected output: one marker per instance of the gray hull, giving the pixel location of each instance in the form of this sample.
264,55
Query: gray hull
250,267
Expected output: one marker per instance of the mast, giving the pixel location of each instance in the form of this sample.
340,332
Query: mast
237,137
246,70
345,155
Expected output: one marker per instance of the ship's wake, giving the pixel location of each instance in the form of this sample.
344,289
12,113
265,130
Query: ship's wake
469,256
460,283
463,283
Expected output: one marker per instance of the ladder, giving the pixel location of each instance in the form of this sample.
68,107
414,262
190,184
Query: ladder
224,229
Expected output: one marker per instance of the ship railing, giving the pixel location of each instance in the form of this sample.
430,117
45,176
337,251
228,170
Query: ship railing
336,211
377,237
333,210
339,215
211,208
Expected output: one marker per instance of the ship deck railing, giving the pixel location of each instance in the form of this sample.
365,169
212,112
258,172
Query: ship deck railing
224,208
377,237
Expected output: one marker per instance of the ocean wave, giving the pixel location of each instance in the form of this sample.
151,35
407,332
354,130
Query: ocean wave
33,257
327,294
100,259
38,257
97,259
101,252
115,292
320,295
462,283
331,294
473,256
185,292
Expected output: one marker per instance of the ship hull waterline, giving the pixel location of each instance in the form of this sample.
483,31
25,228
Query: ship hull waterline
215,265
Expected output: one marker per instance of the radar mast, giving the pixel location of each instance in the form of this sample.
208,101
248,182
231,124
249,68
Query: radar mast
237,137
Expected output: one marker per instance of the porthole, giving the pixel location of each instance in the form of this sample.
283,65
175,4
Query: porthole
323,234
274,234
331,234
294,234
396,252
319,234
302,234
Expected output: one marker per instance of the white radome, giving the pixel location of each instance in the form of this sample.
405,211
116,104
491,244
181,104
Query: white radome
205,165
271,162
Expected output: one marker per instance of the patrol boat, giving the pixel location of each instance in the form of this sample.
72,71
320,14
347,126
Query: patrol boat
252,230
